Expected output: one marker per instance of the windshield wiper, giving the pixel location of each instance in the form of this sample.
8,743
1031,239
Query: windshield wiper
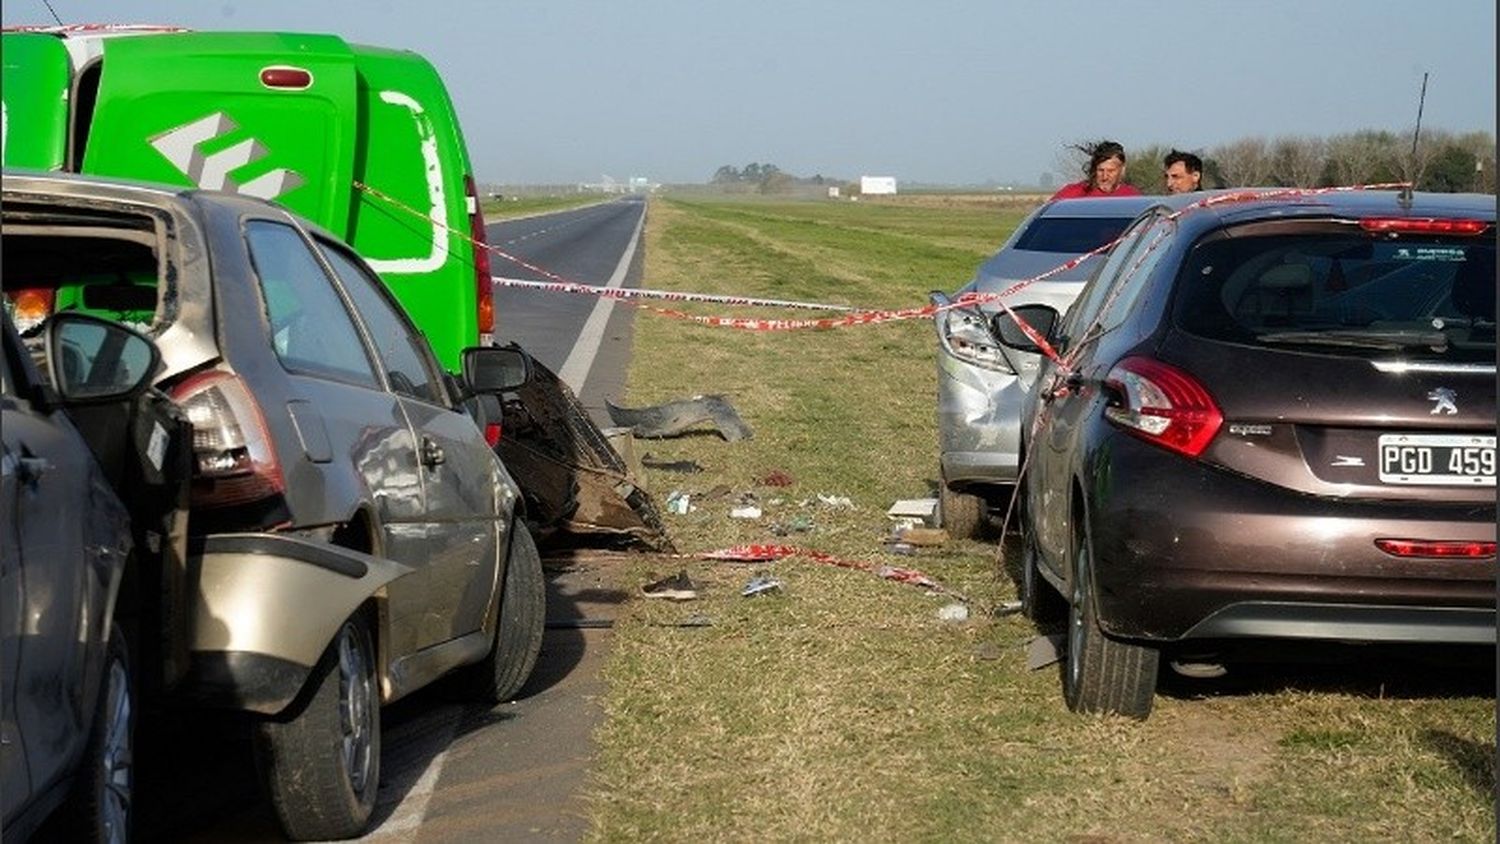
1363,339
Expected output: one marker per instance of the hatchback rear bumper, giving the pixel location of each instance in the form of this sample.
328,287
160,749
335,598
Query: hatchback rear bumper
1184,550
265,607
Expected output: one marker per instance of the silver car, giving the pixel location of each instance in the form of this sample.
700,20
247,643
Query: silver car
354,537
981,385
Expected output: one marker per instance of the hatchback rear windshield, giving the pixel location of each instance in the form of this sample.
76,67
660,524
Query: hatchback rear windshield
1344,292
1070,235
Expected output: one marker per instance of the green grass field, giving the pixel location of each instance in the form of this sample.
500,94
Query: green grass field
843,709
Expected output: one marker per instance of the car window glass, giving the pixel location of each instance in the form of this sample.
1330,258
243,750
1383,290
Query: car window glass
410,371
1137,272
1071,235
1082,314
311,329
1344,293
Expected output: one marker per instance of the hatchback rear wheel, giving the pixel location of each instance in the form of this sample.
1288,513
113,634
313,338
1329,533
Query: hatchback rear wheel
323,765
1102,674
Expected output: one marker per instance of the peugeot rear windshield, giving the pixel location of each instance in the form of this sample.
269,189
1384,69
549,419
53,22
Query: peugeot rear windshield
1336,289
1070,235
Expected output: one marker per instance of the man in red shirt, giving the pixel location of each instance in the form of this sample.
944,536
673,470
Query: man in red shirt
1105,172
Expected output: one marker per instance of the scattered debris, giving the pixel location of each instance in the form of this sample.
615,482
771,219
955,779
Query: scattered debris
685,467
776,477
761,584
1199,670
678,587
954,612
719,491
1043,651
1007,608
675,417
680,503
745,511
923,510
758,553
580,624
901,549
573,479
837,502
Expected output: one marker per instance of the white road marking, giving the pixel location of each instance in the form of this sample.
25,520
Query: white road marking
581,359
426,737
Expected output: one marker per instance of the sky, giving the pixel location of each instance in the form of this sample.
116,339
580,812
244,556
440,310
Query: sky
929,91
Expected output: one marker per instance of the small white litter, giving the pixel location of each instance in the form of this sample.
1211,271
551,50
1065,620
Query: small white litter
954,612
745,511
923,510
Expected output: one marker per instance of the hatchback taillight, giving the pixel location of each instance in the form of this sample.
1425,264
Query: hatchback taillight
234,458
484,284
1163,405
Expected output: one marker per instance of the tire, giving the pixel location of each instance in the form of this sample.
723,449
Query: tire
1101,674
322,767
518,633
99,806
959,513
1039,601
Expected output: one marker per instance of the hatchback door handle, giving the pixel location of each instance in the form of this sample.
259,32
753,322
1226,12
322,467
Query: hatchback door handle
29,470
432,453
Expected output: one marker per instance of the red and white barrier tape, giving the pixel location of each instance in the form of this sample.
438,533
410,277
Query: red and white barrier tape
853,316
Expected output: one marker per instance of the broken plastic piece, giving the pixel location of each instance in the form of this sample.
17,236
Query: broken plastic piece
954,612
675,417
745,511
685,467
680,503
838,502
922,536
920,509
1007,608
1043,651
761,584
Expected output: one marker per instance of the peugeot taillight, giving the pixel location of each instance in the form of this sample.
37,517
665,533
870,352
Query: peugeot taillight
234,458
1442,549
30,306
1422,225
1163,405
484,285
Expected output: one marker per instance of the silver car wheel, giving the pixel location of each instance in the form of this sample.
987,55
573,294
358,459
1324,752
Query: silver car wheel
354,706
117,757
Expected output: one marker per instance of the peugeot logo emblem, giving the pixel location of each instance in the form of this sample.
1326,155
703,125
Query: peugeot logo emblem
1445,401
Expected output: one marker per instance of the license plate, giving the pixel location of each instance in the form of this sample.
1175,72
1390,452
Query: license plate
1437,459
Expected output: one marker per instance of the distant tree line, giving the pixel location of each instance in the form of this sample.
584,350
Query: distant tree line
765,178
1444,161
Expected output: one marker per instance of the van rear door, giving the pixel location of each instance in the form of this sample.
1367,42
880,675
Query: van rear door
272,115
35,83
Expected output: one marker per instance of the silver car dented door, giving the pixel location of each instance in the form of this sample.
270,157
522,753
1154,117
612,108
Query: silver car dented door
466,499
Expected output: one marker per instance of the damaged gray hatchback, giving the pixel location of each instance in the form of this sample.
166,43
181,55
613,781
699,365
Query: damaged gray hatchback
353,536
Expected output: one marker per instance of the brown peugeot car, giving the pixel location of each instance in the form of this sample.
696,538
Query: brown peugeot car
1269,419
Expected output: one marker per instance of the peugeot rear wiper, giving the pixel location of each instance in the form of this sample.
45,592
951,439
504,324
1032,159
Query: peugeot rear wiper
1370,339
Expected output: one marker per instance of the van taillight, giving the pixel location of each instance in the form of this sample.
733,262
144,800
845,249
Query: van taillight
484,285
290,78
1437,548
234,459
30,306
1163,405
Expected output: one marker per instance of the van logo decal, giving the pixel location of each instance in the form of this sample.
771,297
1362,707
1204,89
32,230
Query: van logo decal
183,146
437,210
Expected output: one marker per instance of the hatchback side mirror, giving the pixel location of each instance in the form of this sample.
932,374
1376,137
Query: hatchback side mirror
1041,318
491,369
93,360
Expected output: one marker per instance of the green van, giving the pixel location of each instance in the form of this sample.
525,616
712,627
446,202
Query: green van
362,140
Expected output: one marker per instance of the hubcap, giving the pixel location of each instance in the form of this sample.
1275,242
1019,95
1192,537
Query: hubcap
1075,619
117,760
356,713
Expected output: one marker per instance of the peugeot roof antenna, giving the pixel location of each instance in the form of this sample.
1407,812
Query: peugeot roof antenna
53,11
1406,192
